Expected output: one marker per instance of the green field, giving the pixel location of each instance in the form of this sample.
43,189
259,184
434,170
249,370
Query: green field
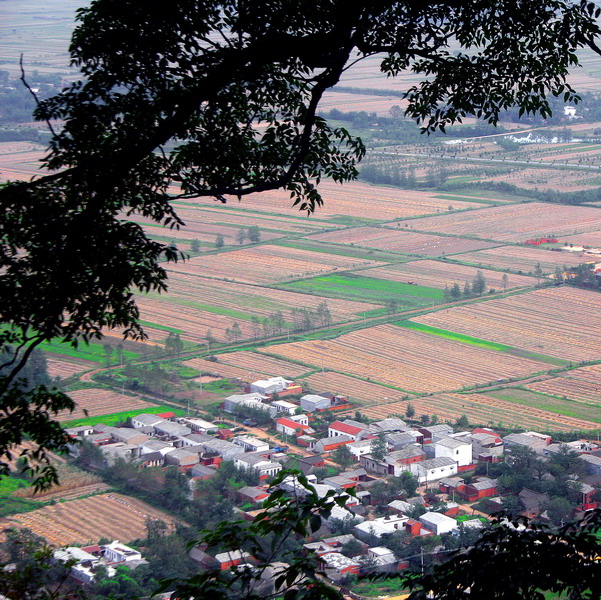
119,417
340,250
368,289
560,406
93,352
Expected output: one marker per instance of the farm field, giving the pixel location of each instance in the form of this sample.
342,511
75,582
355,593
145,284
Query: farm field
592,238
356,390
516,222
560,322
579,385
259,364
523,258
268,264
218,368
98,401
358,200
562,406
401,240
63,368
411,361
86,520
481,409
437,274
193,305
366,288
20,160
346,101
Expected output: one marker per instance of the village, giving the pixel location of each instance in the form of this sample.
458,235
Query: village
404,483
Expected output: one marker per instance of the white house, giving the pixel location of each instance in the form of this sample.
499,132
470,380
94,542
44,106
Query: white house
116,552
272,385
197,425
360,448
433,469
256,462
282,408
438,523
250,443
378,527
460,450
145,420
253,400
313,402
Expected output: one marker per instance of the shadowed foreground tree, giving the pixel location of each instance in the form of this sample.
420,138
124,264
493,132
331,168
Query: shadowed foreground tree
219,99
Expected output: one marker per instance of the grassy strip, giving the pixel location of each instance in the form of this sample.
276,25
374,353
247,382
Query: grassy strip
93,352
339,250
473,341
161,327
370,289
465,199
113,418
12,506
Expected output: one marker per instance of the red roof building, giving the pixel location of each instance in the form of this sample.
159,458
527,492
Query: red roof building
339,428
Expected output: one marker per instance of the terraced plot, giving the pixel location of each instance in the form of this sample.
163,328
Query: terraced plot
86,520
99,401
409,360
66,368
437,274
401,240
515,223
560,322
481,409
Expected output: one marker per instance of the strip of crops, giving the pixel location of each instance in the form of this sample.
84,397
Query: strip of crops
261,365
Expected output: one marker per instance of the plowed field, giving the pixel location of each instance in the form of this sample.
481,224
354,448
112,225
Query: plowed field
579,385
517,222
101,402
561,322
409,360
86,520
262,365
432,273
481,409
402,240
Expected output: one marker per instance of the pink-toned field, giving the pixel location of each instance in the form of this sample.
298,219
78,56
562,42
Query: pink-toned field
357,390
20,160
194,305
481,409
580,385
591,238
268,264
402,240
561,322
438,274
59,367
523,258
409,360
517,222
86,520
259,365
359,200
99,401
346,101
219,368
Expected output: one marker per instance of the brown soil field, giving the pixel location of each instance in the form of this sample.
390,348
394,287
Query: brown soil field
561,322
193,304
59,367
86,520
269,264
591,238
345,102
481,409
523,258
580,385
356,390
401,240
549,179
20,160
409,360
219,368
99,401
516,223
433,273
359,200
260,365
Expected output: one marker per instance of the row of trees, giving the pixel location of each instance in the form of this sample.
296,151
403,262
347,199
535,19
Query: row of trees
476,288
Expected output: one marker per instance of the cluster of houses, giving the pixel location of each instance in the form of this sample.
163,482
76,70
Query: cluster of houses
435,455
87,561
